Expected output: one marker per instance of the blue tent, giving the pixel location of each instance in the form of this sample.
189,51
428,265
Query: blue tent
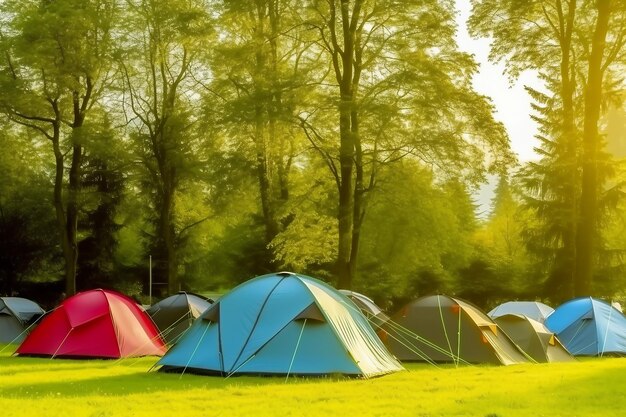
285,324
589,327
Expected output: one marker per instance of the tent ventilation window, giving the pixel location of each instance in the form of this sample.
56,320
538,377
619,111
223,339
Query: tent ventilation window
312,312
212,314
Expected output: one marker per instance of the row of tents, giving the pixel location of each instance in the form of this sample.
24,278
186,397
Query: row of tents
288,323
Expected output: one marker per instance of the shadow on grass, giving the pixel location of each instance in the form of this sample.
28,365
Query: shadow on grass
24,365
124,383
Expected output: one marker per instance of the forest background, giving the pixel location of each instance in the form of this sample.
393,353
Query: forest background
224,139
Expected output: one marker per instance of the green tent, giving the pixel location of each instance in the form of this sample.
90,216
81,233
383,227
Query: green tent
533,338
444,329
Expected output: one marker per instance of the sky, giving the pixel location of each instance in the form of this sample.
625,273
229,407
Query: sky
511,101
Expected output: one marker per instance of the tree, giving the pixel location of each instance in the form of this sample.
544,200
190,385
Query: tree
261,64
504,227
500,245
588,222
103,183
308,242
27,227
164,50
564,188
417,236
549,31
399,87
57,57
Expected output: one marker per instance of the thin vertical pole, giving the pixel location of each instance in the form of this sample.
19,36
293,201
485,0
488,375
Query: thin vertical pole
150,285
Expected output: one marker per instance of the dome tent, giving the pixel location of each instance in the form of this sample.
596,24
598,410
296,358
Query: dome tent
444,329
16,315
533,338
533,309
368,307
589,327
95,324
281,324
175,314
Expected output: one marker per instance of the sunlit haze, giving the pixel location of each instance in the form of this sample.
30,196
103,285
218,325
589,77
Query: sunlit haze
511,101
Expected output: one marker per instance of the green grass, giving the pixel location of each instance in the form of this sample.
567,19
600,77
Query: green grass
45,387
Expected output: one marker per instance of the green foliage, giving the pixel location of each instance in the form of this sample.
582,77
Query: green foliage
163,47
262,75
610,278
228,246
308,242
572,181
27,224
56,60
227,138
102,192
396,93
502,250
417,235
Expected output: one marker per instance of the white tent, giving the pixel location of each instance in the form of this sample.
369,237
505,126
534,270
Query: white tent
533,309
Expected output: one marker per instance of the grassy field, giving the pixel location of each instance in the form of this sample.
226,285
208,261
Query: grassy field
45,387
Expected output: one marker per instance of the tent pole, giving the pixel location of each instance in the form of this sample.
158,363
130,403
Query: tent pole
240,366
606,333
150,279
295,350
458,341
195,350
445,331
62,342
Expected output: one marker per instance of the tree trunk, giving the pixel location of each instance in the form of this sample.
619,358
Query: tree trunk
568,87
347,90
168,238
166,232
265,184
165,177
346,193
359,196
588,222
79,111
71,258
263,115
59,207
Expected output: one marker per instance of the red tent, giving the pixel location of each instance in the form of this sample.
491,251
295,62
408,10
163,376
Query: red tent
95,324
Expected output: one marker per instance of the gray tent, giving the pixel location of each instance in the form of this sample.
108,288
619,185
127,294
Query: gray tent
445,329
374,314
533,309
16,314
174,315
534,338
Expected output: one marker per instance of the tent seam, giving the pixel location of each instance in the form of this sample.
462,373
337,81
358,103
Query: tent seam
330,323
117,340
256,322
